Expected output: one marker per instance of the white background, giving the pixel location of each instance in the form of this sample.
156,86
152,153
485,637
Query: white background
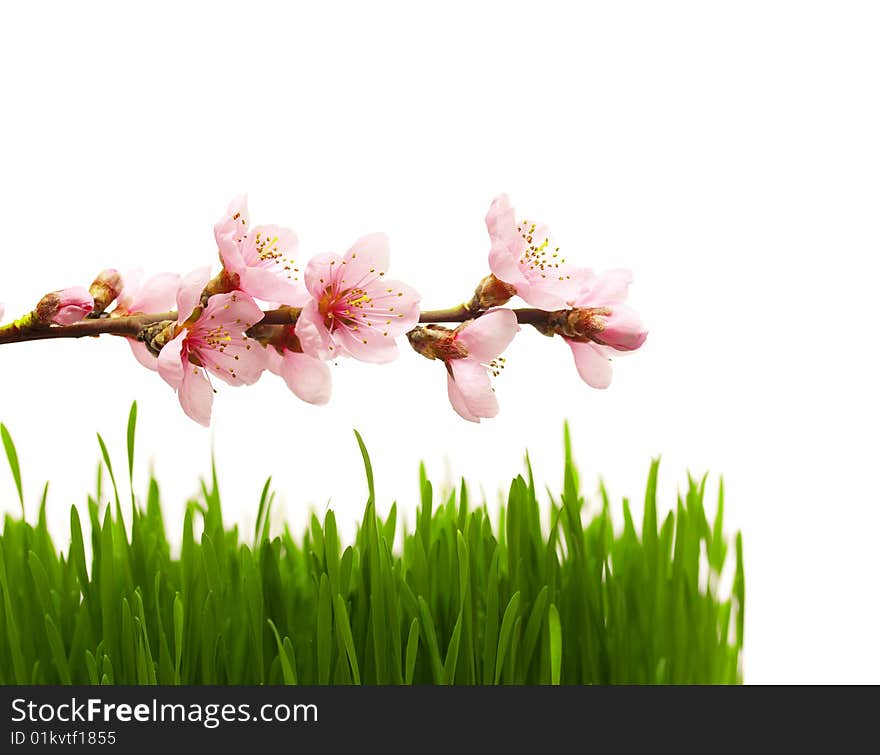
727,152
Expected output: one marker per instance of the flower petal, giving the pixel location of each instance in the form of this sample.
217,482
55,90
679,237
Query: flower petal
319,273
230,253
196,395
190,292
501,219
368,345
241,361
473,381
143,354
271,249
236,220
157,294
489,334
170,361
542,297
307,377
623,329
507,244
456,398
313,334
73,305
217,339
236,310
266,284
605,289
273,360
393,307
368,257
132,280
592,365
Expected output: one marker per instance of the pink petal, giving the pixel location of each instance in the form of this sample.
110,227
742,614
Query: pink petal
131,287
542,297
507,244
490,334
319,273
605,289
190,292
233,357
472,379
143,354
313,334
307,377
501,218
392,301
74,304
170,361
266,284
456,398
368,257
241,362
272,247
592,365
235,221
274,360
236,310
503,262
623,329
196,395
230,253
367,344
158,294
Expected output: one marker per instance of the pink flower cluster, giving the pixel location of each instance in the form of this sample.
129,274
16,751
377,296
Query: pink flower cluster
347,306
523,256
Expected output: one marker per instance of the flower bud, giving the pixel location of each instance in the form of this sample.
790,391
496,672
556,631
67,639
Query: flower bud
64,307
617,326
157,334
623,329
436,342
491,292
105,289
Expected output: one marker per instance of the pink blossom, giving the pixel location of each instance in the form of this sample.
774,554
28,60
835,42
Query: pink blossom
155,294
523,255
65,307
261,259
307,376
138,296
353,309
210,339
619,327
484,339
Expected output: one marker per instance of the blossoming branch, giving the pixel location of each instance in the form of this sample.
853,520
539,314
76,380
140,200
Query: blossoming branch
202,324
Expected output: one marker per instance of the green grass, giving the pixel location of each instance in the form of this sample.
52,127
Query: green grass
468,600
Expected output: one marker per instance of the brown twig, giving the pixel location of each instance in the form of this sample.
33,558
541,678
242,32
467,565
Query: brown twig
131,326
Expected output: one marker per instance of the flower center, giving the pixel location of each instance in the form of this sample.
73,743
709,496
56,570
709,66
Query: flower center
343,306
540,258
496,365
270,253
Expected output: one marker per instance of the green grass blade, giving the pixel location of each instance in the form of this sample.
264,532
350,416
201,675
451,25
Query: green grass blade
555,630
12,458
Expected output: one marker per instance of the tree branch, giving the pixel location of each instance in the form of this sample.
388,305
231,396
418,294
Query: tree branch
131,326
